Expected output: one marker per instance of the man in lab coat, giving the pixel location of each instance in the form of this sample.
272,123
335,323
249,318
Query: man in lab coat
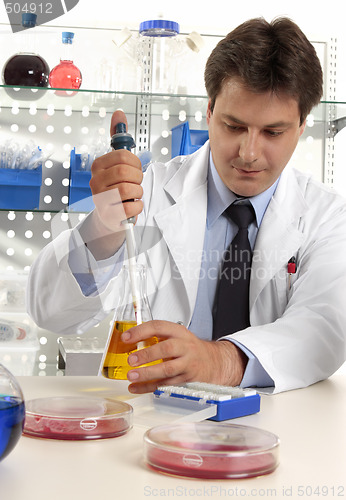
262,81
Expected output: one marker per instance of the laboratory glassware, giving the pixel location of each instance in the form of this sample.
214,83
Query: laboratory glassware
26,68
131,311
66,75
12,412
74,418
158,55
206,451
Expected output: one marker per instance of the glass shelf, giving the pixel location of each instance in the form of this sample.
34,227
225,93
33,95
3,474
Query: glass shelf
94,100
59,99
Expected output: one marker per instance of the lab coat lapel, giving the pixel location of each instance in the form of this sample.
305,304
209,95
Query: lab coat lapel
279,237
183,223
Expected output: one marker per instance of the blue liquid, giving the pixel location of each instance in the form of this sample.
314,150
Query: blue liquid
12,413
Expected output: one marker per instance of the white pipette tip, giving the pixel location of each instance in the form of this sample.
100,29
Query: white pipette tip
131,251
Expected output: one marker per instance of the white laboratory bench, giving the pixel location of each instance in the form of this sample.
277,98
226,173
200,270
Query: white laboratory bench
311,425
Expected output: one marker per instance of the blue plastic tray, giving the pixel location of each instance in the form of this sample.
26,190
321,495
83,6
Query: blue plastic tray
20,189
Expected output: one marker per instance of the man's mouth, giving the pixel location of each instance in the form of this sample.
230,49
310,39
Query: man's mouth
246,172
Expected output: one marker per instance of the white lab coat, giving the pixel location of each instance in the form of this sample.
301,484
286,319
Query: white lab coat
297,330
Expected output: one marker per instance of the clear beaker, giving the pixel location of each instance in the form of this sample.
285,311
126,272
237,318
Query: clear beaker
114,363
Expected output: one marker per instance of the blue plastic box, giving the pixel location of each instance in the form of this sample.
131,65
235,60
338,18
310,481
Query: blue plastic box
80,197
186,141
234,407
20,188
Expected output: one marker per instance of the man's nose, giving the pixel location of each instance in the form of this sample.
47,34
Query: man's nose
250,147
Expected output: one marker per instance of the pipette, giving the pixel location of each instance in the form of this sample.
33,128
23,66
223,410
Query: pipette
123,140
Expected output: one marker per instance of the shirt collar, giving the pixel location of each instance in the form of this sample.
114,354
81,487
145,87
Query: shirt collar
220,197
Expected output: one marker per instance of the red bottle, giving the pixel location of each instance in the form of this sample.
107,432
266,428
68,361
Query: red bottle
66,75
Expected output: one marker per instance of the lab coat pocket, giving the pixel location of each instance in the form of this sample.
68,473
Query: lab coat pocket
281,295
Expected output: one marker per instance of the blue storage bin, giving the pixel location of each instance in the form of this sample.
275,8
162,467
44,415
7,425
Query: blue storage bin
186,141
80,197
20,188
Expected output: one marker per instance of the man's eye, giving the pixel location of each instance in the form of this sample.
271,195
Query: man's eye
274,133
234,128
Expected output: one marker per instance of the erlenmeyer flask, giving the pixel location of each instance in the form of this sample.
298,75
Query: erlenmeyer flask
114,363
12,412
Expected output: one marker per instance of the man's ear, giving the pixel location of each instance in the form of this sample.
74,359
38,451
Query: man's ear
302,128
209,112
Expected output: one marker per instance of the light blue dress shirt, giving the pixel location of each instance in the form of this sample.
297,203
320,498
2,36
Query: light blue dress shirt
219,233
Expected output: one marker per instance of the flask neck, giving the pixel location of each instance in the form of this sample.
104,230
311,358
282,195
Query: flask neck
67,52
135,307
28,42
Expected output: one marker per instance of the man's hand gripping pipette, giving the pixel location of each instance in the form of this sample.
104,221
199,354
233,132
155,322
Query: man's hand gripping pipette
117,192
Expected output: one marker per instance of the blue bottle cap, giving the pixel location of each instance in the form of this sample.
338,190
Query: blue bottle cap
159,27
67,36
29,20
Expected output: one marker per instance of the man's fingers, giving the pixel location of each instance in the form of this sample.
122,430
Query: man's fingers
155,328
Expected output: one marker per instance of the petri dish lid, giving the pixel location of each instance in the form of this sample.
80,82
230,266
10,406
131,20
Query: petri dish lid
79,418
211,451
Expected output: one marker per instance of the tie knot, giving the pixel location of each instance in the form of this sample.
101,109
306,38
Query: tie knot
241,214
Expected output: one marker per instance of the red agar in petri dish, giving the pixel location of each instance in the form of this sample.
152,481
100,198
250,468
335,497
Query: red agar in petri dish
79,418
208,451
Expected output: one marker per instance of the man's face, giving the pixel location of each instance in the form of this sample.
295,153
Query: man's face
252,136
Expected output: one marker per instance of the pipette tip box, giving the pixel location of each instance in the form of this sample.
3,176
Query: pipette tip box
229,402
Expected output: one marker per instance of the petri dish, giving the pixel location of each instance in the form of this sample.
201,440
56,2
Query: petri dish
79,418
207,450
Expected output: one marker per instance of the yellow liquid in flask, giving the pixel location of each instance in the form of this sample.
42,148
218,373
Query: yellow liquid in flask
115,365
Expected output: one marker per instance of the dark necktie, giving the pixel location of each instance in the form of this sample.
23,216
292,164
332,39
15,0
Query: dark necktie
231,307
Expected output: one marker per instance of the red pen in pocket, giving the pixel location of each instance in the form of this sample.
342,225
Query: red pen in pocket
291,269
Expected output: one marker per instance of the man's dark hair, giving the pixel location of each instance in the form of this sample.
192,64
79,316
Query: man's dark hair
268,57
